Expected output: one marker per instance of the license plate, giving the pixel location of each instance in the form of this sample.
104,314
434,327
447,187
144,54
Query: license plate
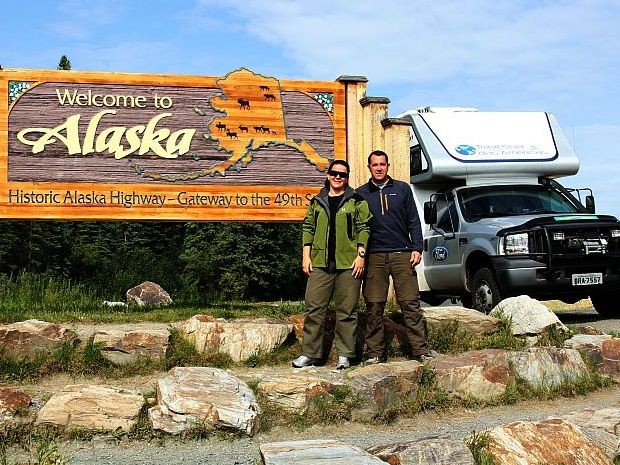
587,279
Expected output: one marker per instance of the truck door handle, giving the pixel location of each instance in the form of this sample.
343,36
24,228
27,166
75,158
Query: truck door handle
462,241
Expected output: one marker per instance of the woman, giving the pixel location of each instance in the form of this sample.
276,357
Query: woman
335,235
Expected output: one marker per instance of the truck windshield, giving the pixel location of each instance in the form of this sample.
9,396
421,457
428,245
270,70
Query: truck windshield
505,200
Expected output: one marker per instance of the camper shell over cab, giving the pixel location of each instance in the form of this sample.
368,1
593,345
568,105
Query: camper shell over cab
498,224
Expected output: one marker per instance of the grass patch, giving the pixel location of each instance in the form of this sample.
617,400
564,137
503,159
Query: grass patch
331,407
428,397
280,355
39,296
451,339
478,444
39,445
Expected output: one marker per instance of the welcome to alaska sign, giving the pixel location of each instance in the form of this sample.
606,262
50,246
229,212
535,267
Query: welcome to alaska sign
85,145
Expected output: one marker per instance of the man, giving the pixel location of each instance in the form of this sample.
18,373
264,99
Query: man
395,248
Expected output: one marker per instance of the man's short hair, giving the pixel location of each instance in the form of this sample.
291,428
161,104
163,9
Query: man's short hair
378,153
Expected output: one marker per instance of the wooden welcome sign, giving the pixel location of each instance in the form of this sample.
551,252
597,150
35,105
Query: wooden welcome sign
84,145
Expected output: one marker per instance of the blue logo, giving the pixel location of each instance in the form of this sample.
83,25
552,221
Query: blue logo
440,253
466,149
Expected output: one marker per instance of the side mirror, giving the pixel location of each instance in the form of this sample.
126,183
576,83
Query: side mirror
590,206
430,212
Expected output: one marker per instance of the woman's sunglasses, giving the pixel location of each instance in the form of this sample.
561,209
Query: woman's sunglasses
338,174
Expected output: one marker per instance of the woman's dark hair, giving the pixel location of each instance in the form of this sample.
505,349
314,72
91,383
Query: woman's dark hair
339,162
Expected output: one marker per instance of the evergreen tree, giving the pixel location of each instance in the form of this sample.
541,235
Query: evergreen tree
64,63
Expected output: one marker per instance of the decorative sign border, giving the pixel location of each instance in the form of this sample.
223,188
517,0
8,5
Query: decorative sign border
87,145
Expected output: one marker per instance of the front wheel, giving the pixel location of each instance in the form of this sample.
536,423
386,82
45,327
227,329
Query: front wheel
605,305
484,291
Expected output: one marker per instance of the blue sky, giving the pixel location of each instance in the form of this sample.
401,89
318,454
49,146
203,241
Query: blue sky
561,56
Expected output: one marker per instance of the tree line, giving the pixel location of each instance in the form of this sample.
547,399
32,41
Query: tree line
196,262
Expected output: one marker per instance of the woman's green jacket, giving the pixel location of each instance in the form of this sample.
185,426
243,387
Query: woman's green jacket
352,228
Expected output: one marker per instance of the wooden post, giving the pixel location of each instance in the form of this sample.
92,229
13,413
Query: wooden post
397,147
355,90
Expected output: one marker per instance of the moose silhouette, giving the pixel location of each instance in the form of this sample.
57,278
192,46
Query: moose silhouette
263,87
220,126
270,97
243,128
232,135
244,104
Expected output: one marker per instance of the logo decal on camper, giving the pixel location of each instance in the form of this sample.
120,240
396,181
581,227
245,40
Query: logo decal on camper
440,253
465,149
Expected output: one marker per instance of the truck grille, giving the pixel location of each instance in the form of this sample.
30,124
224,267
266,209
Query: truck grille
581,241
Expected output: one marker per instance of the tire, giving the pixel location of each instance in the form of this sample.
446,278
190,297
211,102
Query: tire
605,305
484,291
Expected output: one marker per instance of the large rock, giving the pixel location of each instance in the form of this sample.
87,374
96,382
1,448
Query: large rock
315,452
600,426
295,393
209,397
383,385
121,346
11,402
529,317
552,441
603,349
148,293
240,338
481,375
31,337
92,408
427,451
548,366
468,320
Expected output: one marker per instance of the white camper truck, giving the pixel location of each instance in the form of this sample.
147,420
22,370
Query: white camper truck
498,224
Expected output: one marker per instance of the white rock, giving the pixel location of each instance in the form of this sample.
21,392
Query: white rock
528,316
211,397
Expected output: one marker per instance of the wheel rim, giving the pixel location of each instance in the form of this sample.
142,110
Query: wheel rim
484,297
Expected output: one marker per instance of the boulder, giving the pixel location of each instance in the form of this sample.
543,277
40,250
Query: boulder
315,451
548,366
297,321
209,397
601,426
148,293
383,385
31,337
481,375
295,393
121,346
240,338
529,317
426,451
552,441
592,344
469,320
11,402
92,407
588,329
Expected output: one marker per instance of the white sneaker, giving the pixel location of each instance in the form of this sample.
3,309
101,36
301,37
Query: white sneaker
375,360
343,363
303,361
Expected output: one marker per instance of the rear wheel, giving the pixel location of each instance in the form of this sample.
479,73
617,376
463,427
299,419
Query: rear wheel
484,291
605,305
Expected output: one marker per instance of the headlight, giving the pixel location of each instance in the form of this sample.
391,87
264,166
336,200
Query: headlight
515,244
615,233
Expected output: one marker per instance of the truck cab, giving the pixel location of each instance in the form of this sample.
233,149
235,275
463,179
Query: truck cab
497,222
